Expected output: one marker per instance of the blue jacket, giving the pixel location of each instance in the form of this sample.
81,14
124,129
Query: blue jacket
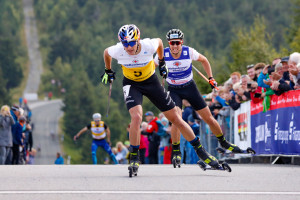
59,161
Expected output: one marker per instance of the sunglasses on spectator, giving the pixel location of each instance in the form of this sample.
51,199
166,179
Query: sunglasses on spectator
126,44
175,42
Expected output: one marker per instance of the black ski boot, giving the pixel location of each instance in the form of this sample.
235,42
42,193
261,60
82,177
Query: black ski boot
205,156
227,145
134,162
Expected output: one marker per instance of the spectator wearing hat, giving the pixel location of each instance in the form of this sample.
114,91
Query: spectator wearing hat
17,131
285,69
193,158
6,122
153,138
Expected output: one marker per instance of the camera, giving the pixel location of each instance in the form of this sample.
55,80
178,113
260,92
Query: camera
257,95
249,85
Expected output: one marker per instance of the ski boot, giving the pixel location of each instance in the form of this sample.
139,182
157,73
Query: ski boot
231,147
176,159
223,167
134,163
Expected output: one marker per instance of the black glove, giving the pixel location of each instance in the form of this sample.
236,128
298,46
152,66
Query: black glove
163,69
108,75
213,83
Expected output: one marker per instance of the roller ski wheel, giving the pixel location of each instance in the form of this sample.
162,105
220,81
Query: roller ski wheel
132,171
220,150
176,163
250,150
223,167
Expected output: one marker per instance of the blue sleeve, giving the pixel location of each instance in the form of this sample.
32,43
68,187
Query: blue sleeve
260,80
19,132
221,101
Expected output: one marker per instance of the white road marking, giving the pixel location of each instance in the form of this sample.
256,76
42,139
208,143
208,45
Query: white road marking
148,192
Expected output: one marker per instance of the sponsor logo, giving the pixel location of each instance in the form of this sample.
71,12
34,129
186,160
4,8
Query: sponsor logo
185,53
135,61
167,54
172,36
177,63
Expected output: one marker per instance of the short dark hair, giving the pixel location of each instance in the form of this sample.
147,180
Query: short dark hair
250,66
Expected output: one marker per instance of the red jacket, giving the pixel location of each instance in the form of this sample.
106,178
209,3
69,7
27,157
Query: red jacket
152,126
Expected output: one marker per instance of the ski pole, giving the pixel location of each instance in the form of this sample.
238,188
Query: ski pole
202,75
109,95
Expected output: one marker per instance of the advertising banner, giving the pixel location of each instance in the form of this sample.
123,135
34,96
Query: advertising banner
242,127
277,131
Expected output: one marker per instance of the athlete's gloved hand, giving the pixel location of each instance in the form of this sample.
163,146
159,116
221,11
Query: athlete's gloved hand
163,69
213,83
108,75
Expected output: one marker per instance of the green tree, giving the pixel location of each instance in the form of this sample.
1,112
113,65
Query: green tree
252,46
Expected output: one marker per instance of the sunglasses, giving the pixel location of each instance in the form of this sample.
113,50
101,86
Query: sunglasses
175,42
126,44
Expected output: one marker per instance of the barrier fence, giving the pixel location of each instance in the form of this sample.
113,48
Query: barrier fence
276,131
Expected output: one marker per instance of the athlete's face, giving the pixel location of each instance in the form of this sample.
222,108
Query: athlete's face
175,46
131,47
97,122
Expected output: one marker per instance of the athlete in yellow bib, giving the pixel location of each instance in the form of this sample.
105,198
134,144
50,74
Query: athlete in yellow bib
135,55
99,131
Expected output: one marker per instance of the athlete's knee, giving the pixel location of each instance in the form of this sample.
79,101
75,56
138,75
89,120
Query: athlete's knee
93,153
136,118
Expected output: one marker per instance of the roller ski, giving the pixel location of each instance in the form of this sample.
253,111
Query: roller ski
207,159
134,163
249,150
231,147
176,160
223,167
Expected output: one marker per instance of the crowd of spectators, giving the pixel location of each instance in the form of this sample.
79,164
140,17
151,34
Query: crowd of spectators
16,135
261,81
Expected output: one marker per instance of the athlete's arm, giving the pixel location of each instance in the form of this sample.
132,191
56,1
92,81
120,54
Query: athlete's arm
205,64
79,133
107,59
160,49
107,134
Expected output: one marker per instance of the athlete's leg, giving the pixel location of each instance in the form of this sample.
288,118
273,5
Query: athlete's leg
136,114
175,133
94,151
189,135
107,148
216,130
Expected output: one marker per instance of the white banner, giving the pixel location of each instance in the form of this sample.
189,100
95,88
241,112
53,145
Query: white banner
242,127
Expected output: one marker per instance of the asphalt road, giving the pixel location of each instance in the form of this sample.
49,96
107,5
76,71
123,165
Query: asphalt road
32,39
45,117
247,182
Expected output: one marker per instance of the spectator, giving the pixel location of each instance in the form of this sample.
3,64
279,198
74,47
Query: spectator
251,72
196,128
6,122
122,152
18,140
31,156
153,138
185,148
285,69
144,144
258,68
294,69
279,85
235,77
59,159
